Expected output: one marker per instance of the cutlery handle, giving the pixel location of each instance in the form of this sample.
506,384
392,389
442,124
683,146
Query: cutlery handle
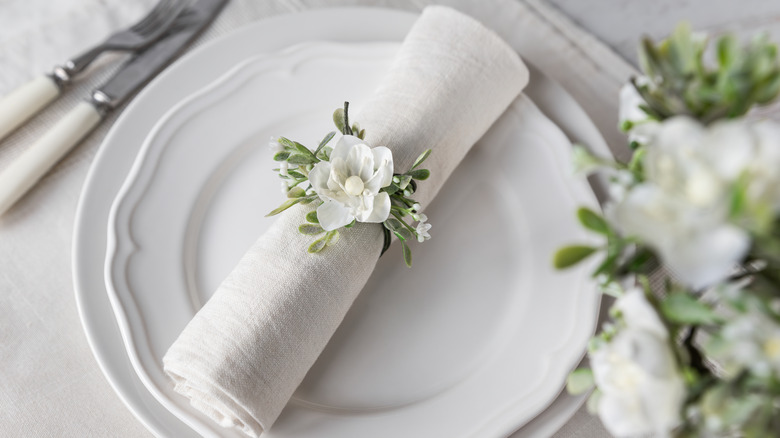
27,169
25,101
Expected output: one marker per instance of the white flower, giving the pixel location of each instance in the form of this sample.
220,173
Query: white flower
697,244
349,184
749,340
642,390
681,210
422,229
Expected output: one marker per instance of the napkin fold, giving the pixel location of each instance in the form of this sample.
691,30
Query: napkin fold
246,351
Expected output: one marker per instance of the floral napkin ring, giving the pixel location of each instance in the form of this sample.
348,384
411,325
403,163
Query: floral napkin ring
351,182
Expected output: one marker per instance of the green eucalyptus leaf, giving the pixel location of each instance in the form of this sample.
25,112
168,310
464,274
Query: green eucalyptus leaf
304,150
312,217
318,245
684,308
295,174
325,141
338,119
580,381
310,229
404,181
592,220
419,174
285,205
296,192
281,156
302,159
571,255
407,254
424,156
404,234
592,405
393,224
286,142
333,237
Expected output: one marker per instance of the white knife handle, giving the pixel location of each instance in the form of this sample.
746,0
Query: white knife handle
25,101
27,169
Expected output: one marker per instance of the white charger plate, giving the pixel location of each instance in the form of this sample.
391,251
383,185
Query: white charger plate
122,143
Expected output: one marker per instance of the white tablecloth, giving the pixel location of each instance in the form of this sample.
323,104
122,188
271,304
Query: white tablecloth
50,384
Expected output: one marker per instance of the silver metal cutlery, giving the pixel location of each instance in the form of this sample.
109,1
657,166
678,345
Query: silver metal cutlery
29,99
35,162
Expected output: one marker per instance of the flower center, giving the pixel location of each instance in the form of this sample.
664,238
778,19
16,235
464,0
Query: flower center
353,185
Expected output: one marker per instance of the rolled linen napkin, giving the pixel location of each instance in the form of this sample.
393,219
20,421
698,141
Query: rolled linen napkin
246,351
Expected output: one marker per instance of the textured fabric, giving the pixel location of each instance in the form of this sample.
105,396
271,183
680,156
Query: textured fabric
245,352
50,383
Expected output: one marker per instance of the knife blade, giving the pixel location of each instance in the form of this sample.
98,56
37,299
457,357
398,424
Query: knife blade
35,162
142,67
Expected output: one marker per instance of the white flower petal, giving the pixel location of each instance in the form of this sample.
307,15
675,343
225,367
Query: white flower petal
638,313
360,162
383,176
333,215
344,145
319,175
729,148
380,210
705,258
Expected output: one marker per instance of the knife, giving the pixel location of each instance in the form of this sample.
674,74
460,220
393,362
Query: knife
35,162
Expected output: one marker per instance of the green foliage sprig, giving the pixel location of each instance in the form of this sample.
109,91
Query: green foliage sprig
298,160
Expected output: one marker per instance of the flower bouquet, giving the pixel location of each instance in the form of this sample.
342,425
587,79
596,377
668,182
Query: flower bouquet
691,247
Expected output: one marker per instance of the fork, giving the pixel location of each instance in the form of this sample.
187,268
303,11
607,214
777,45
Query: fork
24,102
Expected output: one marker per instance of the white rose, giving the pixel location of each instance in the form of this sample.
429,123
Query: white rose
681,210
697,244
642,391
350,184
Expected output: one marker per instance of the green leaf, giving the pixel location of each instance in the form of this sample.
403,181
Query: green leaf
295,174
404,234
338,119
424,156
281,156
296,192
302,159
287,142
318,245
285,205
592,405
312,217
310,229
393,224
684,308
407,254
304,150
419,174
404,181
325,141
362,134
592,220
332,237
580,381
571,255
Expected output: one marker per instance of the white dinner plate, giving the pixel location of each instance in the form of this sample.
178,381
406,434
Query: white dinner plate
198,254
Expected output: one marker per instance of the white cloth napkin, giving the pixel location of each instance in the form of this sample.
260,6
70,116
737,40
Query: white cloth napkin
246,351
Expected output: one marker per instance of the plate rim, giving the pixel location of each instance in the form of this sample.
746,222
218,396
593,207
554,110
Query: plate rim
86,195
